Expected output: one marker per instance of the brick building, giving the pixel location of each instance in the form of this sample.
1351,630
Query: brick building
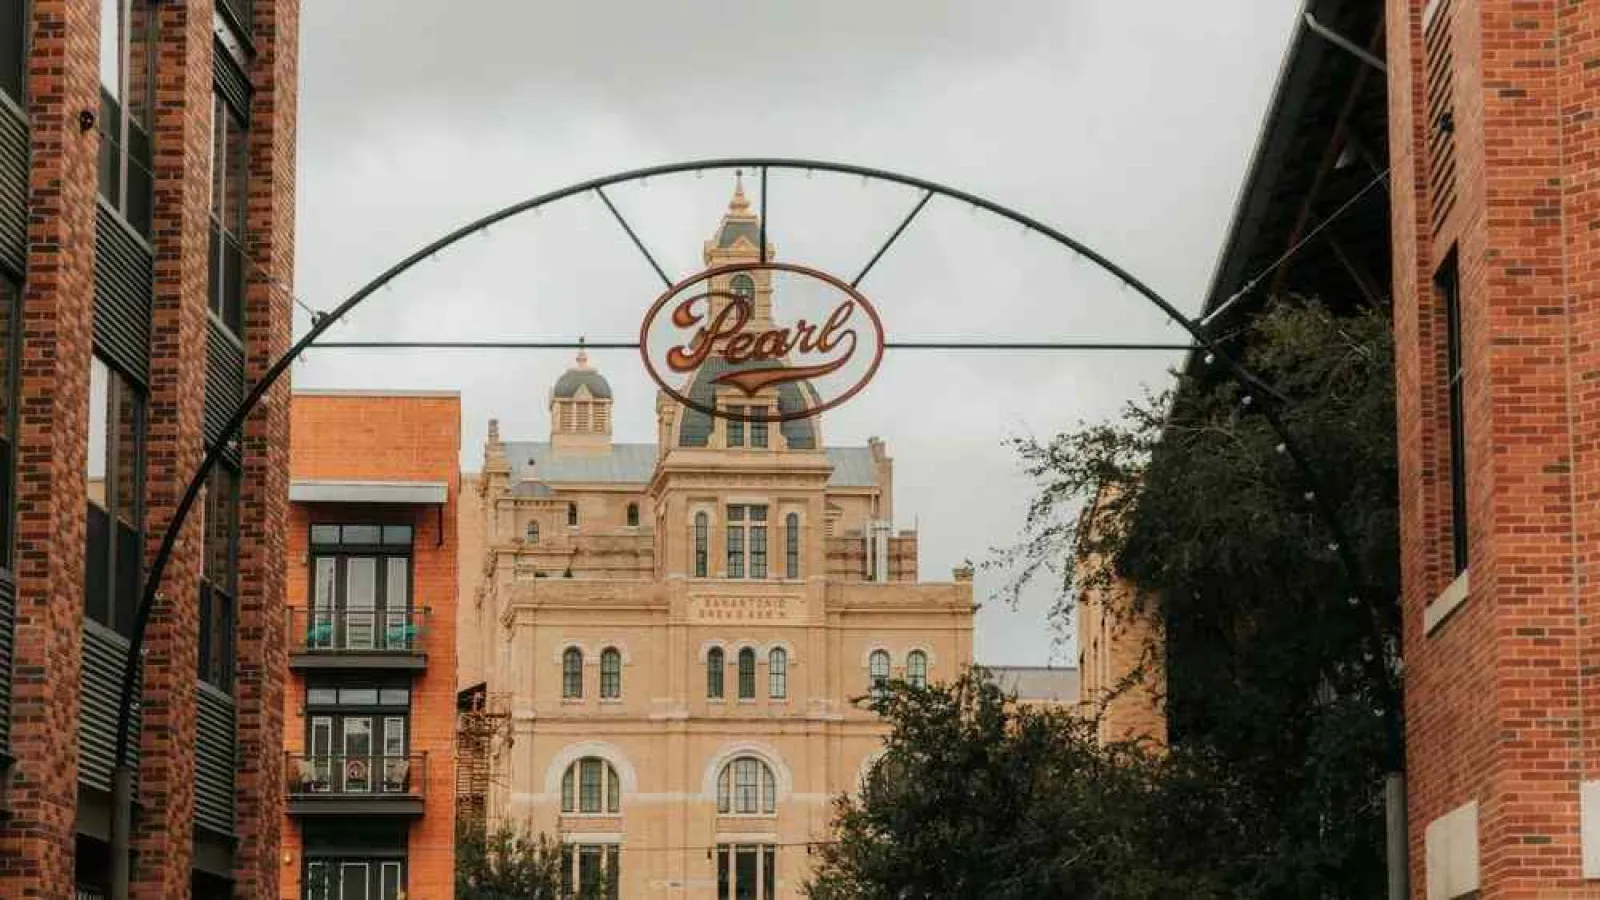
146,215
1497,290
370,703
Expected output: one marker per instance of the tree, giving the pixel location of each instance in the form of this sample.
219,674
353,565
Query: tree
978,797
1277,665
507,864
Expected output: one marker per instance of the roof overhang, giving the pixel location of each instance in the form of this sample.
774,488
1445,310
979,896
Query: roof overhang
387,492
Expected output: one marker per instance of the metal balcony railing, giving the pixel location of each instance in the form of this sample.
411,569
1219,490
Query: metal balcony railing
356,631
344,776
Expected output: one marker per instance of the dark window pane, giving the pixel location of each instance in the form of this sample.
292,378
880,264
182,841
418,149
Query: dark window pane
97,567
747,674
744,877
12,45
128,569
722,871
361,534
397,534
324,534
769,872
715,666
394,697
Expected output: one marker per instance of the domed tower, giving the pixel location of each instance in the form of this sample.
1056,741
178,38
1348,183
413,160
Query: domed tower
580,408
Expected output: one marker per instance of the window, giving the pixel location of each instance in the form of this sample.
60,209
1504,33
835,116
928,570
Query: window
219,577
590,787
747,871
735,427
590,870
758,426
357,740
533,532
747,674
700,550
878,667
778,673
572,673
230,162
127,69
335,878
1448,282
113,546
633,515
747,541
746,788
743,287
917,669
572,515
791,546
10,343
610,674
715,664
361,589
13,48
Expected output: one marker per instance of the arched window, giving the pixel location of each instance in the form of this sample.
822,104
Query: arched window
778,673
747,674
572,673
791,546
610,674
746,788
572,515
917,669
633,515
700,554
878,667
743,287
590,787
715,664
533,532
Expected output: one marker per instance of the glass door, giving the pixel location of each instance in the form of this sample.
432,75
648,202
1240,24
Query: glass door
360,601
325,585
354,879
357,754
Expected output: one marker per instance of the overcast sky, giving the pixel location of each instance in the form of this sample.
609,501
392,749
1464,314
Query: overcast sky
1127,125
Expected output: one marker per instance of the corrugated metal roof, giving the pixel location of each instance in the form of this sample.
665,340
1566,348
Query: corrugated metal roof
1052,683
635,463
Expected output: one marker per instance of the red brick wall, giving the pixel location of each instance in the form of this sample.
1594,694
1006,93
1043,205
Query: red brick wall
1493,695
36,844
390,438
262,654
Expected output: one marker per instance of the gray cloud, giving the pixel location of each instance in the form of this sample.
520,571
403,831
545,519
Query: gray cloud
1127,125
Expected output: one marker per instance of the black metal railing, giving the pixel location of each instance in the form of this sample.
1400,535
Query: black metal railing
340,775
354,631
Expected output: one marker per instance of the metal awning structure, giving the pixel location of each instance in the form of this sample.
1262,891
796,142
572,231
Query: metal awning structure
382,492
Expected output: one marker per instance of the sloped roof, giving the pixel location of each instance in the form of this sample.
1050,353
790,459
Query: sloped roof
567,385
733,229
1057,684
635,463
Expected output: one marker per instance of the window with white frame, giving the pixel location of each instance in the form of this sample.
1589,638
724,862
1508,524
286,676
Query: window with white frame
591,870
778,673
610,674
746,787
878,669
747,541
917,669
572,673
590,787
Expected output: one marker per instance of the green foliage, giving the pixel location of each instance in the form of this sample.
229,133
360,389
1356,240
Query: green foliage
506,864
977,797
1279,667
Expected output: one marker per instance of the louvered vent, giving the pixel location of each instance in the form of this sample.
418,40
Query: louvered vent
1436,37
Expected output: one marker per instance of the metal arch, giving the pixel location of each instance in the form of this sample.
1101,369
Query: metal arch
1252,386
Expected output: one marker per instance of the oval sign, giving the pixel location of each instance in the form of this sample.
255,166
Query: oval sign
731,322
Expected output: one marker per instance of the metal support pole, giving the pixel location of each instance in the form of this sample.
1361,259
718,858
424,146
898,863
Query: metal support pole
121,828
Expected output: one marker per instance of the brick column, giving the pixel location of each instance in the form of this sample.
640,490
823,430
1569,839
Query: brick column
163,833
262,657
37,842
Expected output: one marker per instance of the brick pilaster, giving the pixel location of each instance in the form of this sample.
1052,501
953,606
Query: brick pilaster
263,660
163,833
36,844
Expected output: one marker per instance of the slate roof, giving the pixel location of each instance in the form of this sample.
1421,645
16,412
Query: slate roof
1058,684
793,396
567,385
635,463
733,229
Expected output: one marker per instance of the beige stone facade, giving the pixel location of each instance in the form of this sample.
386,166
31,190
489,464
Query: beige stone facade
1122,679
678,630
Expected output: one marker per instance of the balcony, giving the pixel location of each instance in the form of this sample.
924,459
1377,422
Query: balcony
374,785
357,639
